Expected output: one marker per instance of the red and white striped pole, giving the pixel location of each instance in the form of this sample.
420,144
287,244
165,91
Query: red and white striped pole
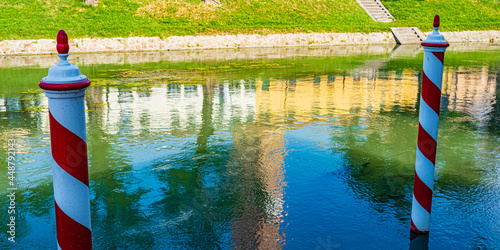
65,88
430,99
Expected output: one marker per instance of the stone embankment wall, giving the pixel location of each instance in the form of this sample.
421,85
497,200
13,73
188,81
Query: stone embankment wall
88,45
86,59
83,59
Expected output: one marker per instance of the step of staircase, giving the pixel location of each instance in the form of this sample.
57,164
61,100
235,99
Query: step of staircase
380,14
407,35
376,10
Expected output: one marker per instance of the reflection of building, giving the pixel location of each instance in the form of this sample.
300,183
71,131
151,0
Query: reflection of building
471,91
263,151
272,162
176,107
324,96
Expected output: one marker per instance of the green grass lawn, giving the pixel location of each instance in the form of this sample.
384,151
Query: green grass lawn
455,14
34,19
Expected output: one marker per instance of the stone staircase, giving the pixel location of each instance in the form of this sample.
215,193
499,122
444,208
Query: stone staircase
376,10
407,35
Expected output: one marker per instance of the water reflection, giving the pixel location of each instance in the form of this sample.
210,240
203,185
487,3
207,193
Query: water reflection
419,242
263,160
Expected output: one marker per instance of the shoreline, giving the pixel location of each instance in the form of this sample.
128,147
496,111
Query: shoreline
150,44
88,59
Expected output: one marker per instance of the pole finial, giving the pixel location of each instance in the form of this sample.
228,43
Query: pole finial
436,21
435,39
62,42
63,72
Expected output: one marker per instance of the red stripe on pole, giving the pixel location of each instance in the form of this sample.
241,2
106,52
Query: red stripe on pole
69,151
413,227
426,144
422,193
439,55
64,86
431,94
446,44
71,234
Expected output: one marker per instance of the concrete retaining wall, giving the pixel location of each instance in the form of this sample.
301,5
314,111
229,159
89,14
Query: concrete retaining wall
88,45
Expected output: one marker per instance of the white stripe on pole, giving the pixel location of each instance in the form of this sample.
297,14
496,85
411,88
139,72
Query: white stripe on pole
60,110
424,169
423,223
433,69
431,121
71,195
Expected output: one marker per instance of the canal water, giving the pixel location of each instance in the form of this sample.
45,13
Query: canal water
293,148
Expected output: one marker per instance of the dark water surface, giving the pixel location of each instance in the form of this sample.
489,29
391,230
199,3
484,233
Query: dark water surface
276,148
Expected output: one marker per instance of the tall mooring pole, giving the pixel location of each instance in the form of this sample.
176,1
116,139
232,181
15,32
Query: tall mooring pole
65,88
430,99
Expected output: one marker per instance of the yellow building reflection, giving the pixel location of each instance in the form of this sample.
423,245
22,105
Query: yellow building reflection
324,96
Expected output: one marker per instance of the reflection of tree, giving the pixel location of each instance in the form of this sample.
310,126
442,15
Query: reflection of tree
114,206
34,202
381,157
19,114
218,193
193,199
380,154
495,114
20,123
206,118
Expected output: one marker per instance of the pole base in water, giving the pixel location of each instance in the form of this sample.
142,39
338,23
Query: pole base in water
414,230
419,241
415,234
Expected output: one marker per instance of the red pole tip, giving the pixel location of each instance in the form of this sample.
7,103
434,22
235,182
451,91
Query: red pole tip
436,21
62,42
